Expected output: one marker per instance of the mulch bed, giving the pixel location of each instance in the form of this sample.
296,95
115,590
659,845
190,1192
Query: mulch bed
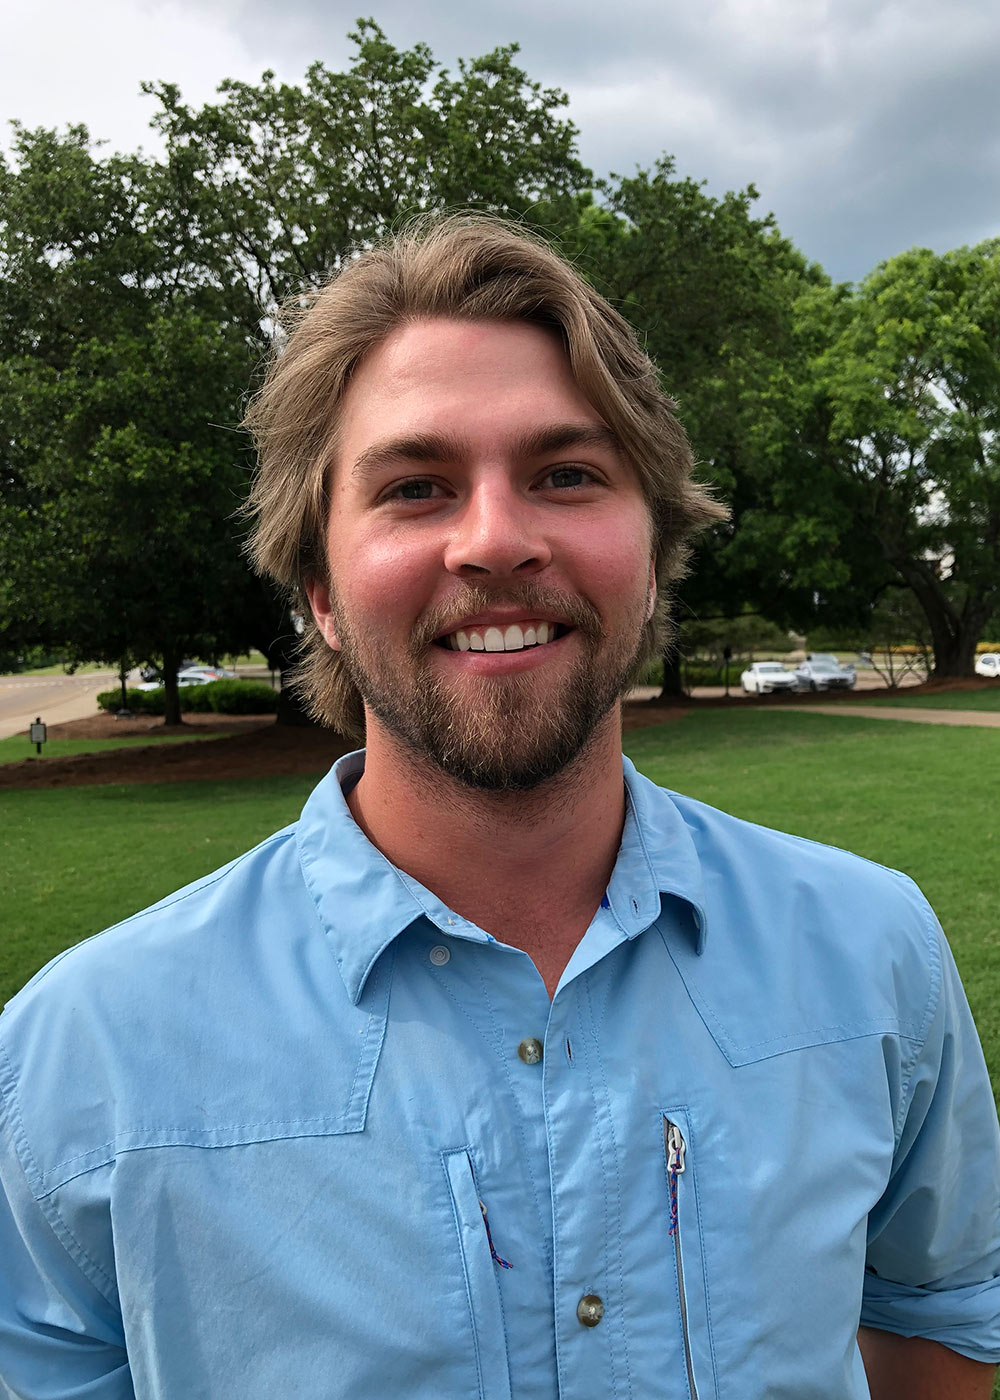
253,746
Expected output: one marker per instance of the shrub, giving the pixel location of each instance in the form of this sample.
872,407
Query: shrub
235,697
140,702
225,697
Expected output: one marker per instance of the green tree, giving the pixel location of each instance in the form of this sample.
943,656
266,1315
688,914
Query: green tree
117,384
282,183
712,289
907,377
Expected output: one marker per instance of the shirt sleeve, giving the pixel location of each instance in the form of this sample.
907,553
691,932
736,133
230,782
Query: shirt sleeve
934,1237
60,1336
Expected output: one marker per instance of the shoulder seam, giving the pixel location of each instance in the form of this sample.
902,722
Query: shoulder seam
930,926
98,1276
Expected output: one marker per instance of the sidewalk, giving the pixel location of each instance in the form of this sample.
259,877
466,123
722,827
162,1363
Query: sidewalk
983,719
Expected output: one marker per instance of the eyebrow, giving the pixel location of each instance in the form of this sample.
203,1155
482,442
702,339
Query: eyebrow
446,447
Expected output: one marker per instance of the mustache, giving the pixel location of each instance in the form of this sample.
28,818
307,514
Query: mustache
569,609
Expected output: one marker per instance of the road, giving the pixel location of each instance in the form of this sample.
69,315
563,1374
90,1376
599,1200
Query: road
54,699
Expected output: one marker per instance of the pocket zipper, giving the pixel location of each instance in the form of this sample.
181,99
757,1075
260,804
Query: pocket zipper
676,1150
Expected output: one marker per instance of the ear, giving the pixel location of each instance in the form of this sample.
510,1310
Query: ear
653,591
318,594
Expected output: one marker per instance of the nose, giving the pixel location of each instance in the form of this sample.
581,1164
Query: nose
498,533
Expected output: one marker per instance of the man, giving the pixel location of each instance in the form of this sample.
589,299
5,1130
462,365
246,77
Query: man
494,1075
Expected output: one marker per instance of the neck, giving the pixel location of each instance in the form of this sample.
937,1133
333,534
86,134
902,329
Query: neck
528,868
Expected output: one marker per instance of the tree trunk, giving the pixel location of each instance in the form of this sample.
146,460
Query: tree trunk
673,681
171,694
282,654
954,634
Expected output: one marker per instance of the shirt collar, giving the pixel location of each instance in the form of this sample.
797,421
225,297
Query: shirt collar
364,902
658,856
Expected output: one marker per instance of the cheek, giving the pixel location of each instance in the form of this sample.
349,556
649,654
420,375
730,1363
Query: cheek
379,576
616,562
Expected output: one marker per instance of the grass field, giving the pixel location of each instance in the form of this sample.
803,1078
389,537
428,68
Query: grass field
943,700
13,749
920,799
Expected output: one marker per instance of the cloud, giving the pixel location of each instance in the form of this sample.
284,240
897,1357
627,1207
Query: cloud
867,125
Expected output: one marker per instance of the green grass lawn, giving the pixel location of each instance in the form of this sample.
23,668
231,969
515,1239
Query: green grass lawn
13,749
944,700
921,799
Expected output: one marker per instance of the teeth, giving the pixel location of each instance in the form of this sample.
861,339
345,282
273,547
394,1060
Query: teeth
512,638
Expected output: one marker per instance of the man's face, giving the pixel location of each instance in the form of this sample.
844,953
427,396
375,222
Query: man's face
489,551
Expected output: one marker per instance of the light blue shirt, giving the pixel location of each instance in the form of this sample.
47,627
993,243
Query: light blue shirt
274,1136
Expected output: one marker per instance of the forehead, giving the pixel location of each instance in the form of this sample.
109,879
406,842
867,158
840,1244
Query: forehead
475,378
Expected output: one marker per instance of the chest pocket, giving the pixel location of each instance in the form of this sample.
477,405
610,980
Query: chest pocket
480,1264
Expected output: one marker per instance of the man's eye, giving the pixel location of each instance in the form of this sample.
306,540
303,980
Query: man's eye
414,490
564,477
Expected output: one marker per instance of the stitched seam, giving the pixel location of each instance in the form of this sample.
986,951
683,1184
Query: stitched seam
933,999
851,1029
117,1144
496,1280
454,1152
618,1188
518,1115
684,1108
673,1258
654,881
97,1275
804,1039
376,982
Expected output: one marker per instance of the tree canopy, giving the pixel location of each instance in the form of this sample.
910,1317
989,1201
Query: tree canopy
852,432
906,372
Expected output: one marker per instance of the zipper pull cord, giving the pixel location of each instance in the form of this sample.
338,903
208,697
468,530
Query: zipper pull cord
675,1166
489,1237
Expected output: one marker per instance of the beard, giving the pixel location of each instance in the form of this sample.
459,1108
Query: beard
502,733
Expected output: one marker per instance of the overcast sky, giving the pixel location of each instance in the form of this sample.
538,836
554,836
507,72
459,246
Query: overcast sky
867,126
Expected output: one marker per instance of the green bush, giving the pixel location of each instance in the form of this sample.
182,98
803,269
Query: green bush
140,702
235,697
225,697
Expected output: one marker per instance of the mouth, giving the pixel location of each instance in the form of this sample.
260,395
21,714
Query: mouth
512,637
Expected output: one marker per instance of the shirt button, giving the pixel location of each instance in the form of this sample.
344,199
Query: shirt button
530,1051
590,1310
439,955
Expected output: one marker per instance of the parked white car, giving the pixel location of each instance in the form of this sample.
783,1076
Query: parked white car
765,677
988,664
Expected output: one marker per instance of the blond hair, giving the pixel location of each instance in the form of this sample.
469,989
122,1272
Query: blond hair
467,267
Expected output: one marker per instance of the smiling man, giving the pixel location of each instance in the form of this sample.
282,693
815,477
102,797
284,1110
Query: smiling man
502,1072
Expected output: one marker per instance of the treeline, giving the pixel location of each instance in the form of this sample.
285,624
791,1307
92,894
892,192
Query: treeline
852,431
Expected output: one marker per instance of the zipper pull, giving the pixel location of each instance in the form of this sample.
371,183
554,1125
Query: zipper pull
675,1166
676,1148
